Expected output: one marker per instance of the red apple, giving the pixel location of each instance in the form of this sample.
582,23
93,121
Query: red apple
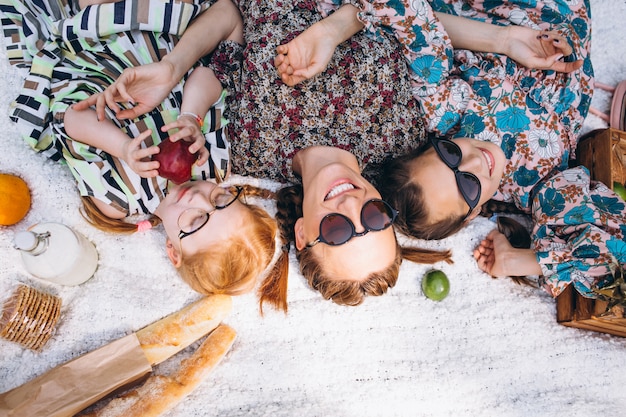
176,160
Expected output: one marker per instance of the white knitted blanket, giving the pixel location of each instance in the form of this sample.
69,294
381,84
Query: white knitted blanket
491,348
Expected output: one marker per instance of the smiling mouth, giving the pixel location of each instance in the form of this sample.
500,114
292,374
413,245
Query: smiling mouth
339,189
489,158
181,193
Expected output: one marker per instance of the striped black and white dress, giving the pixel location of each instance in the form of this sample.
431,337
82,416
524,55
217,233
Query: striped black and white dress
70,54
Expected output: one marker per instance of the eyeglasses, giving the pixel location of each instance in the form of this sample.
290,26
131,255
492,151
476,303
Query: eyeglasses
469,185
193,219
336,229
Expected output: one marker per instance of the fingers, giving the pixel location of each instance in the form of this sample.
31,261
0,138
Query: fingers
133,112
279,59
115,94
169,126
138,152
484,263
183,131
186,132
96,100
558,41
86,103
291,80
282,49
561,66
140,159
203,156
109,99
554,41
285,70
121,90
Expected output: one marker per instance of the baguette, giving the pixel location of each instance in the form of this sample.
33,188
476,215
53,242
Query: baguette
160,393
168,336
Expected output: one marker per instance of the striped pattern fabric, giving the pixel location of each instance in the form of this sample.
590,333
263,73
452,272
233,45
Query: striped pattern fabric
71,54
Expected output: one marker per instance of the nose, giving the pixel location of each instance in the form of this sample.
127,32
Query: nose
471,161
351,208
200,199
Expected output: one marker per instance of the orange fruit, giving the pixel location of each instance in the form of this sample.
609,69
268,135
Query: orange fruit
14,199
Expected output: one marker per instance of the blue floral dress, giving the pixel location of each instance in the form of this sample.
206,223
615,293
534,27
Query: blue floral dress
535,116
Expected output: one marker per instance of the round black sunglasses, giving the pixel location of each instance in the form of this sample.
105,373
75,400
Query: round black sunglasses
337,229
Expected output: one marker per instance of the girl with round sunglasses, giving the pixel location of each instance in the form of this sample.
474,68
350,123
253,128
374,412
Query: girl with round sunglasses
341,229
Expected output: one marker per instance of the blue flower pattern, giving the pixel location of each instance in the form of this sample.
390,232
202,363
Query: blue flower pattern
513,119
551,202
428,68
577,227
579,215
526,177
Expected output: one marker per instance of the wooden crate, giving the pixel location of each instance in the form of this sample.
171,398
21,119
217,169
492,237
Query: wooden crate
574,310
603,152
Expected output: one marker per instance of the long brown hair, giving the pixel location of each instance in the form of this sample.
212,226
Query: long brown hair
345,292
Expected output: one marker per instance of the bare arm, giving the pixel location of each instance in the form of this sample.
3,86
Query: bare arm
528,47
202,90
146,86
83,126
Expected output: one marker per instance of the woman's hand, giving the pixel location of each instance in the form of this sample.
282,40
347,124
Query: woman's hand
190,131
144,87
310,52
305,56
495,256
138,158
538,50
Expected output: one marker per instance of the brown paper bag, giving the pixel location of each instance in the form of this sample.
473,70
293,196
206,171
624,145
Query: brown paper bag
79,383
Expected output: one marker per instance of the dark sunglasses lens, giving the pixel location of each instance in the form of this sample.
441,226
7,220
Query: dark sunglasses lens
450,152
470,187
376,215
335,229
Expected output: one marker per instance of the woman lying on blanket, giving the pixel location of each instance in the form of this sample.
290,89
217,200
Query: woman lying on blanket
218,243
363,112
512,130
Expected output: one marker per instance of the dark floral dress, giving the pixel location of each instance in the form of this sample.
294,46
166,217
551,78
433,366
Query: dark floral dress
362,102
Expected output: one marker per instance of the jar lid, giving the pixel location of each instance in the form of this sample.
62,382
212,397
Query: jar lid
25,240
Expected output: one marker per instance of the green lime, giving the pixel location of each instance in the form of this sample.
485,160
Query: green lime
619,189
435,285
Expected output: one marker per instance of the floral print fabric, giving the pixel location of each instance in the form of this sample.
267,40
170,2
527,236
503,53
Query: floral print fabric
362,102
579,230
534,115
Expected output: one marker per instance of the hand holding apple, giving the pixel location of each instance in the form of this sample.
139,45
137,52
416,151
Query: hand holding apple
138,157
187,128
175,160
